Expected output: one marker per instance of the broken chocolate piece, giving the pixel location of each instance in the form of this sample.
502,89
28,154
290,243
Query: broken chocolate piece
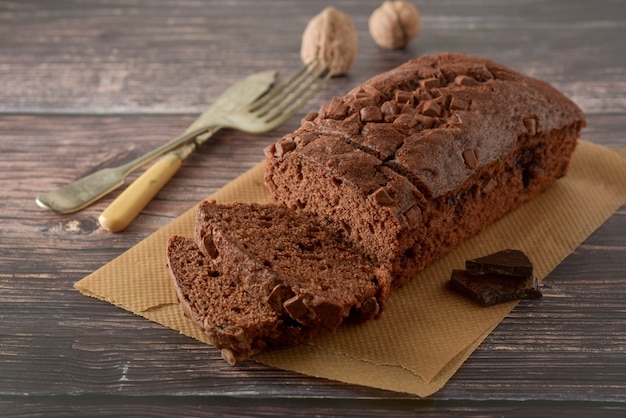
459,104
404,122
492,289
381,197
371,114
531,126
309,117
465,80
496,278
407,108
413,216
430,83
507,262
278,296
369,309
432,108
389,108
489,186
283,147
470,158
296,309
337,109
210,250
426,121
403,97
324,313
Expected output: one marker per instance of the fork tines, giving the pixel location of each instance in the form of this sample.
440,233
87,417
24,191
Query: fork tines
286,99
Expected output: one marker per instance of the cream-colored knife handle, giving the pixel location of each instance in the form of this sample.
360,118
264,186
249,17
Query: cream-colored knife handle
123,210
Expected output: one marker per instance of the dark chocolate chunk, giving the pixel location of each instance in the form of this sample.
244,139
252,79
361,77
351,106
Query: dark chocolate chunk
408,108
381,197
430,83
459,104
413,216
404,122
422,95
489,186
389,108
531,126
278,296
492,289
369,309
371,114
283,147
444,100
432,108
403,97
337,109
326,314
426,121
465,80
209,246
309,116
507,262
296,309
470,158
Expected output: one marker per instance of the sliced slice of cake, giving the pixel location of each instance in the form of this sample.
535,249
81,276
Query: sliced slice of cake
235,320
302,270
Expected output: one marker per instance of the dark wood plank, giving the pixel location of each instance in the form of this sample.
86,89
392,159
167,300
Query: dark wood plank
163,57
566,328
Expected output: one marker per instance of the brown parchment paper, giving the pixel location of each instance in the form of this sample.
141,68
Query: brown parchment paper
427,332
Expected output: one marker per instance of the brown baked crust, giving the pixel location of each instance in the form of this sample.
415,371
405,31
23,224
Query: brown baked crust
417,159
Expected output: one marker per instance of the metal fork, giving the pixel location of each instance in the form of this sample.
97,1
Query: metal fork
262,115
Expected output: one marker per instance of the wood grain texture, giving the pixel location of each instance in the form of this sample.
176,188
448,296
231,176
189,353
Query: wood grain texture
87,84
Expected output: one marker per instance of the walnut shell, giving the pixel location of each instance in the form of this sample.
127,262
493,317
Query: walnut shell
394,24
331,37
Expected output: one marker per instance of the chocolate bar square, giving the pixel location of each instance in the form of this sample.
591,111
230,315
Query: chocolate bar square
492,289
506,262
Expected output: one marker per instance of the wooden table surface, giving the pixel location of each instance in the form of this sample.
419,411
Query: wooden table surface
88,84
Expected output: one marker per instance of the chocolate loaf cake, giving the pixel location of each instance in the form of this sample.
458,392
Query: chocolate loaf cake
415,160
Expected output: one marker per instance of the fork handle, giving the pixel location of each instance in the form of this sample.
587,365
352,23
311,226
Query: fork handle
85,191
125,208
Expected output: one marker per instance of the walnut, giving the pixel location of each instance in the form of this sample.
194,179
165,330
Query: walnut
331,37
394,24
